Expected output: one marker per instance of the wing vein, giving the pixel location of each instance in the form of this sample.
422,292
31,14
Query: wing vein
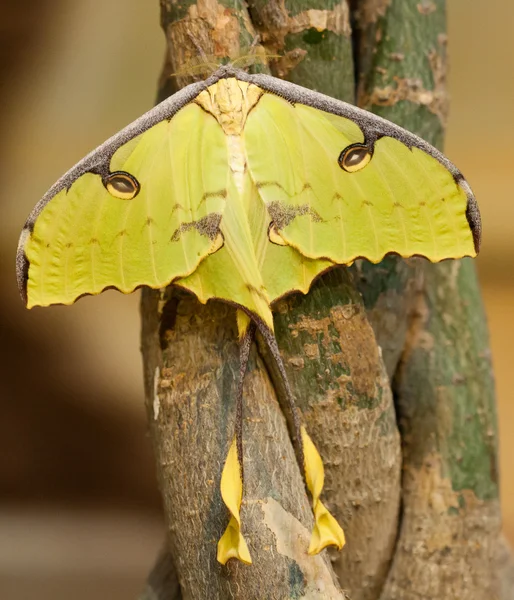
393,159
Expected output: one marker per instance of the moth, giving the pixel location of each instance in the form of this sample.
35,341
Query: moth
244,188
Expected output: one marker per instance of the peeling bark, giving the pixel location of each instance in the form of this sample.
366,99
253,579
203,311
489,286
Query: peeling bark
411,89
207,31
311,37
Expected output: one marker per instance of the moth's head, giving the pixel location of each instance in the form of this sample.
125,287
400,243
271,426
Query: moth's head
198,67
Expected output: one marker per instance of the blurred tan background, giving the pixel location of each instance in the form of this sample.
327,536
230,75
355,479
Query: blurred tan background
79,510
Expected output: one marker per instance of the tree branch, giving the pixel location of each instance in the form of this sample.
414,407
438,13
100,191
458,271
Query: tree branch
449,537
337,365
191,359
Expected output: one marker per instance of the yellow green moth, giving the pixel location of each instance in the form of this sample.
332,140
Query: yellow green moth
245,188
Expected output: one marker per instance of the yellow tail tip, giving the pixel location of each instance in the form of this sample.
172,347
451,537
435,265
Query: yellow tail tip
326,531
233,545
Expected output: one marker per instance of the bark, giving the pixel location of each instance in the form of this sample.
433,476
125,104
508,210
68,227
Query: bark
341,385
420,326
309,41
449,544
162,581
206,31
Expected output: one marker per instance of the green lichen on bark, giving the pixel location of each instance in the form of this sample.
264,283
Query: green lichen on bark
315,340
402,65
445,405
313,41
443,383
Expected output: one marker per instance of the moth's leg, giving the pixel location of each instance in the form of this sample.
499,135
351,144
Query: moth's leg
232,543
326,531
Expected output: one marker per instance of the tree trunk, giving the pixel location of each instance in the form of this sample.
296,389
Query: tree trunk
405,326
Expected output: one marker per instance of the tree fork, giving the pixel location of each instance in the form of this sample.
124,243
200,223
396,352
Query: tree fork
355,331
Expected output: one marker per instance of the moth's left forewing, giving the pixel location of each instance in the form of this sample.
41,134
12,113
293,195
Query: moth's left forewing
142,209
341,183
